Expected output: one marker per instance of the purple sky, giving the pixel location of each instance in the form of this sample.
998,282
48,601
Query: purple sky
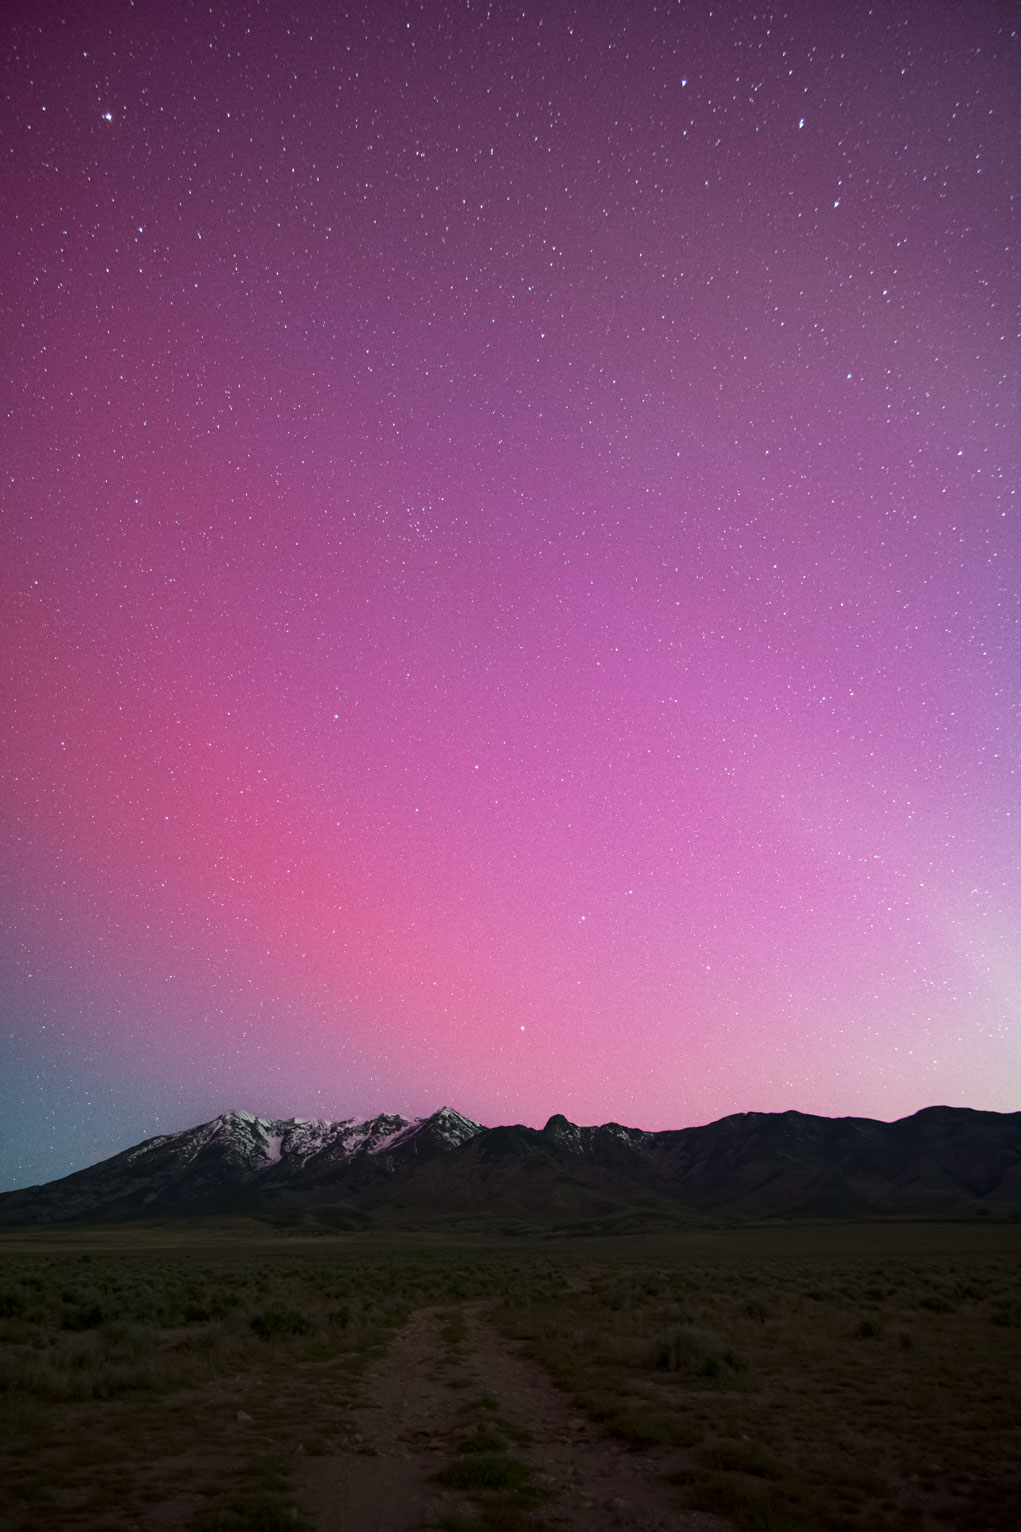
511,563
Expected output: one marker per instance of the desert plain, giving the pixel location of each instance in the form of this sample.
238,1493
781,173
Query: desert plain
226,1376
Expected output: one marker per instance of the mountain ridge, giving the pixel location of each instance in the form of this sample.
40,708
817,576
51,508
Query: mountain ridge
354,1172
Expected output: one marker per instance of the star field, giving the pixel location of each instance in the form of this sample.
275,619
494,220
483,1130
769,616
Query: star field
511,563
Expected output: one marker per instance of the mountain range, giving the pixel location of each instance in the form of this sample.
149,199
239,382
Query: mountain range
446,1170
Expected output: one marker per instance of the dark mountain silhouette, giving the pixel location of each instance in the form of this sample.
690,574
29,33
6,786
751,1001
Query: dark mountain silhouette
239,1162
943,1161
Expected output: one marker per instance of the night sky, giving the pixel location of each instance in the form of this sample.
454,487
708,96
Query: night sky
511,563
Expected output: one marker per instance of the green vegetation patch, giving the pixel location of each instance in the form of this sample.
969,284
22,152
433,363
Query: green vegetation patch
794,1387
482,1471
484,1439
257,1514
278,1320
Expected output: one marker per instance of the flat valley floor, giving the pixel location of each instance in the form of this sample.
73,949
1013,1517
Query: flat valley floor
785,1379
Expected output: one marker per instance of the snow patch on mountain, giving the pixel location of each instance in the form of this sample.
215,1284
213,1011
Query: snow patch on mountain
379,1145
452,1128
263,1142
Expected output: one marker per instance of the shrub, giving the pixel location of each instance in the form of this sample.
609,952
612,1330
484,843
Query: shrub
735,1457
455,1330
935,1304
483,1471
278,1320
224,1304
686,1348
84,1316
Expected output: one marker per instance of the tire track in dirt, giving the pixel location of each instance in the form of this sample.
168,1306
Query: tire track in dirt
423,1402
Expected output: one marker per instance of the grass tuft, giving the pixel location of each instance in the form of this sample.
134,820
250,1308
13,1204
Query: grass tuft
257,1514
484,1439
485,1470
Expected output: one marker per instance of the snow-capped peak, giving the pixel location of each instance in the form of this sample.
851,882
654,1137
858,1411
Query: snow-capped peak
452,1125
263,1143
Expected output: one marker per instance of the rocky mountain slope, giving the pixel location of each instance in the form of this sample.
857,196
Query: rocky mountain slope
944,1161
240,1162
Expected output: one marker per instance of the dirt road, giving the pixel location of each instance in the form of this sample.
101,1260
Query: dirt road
454,1397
